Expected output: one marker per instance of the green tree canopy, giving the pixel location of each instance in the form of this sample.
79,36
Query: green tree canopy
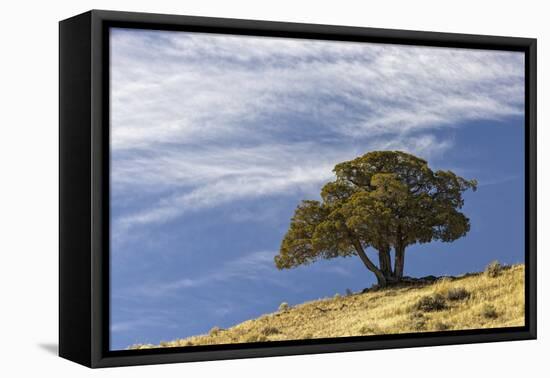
386,200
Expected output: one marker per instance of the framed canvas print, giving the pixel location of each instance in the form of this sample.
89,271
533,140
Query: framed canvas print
234,188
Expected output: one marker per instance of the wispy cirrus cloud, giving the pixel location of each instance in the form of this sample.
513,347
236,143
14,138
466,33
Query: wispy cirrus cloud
226,175
200,120
197,85
254,267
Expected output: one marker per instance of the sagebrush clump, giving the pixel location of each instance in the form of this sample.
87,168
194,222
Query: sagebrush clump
284,307
418,321
254,338
494,269
214,331
370,329
489,311
440,326
267,331
458,294
434,302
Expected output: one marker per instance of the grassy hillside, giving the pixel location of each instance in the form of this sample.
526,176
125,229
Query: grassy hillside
494,298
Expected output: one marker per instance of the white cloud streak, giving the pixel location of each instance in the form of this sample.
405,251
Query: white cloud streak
200,120
253,267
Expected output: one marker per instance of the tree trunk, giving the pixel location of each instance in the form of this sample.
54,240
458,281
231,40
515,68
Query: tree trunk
399,255
399,261
370,265
385,263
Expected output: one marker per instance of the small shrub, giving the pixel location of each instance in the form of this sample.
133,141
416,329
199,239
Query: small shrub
254,338
435,302
308,335
337,296
364,330
458,294
370,330
284,307
189,343
349,292
494,269
267,331
489,312
440,326
214,331
418,321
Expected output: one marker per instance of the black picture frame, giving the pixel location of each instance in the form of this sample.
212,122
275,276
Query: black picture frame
84,187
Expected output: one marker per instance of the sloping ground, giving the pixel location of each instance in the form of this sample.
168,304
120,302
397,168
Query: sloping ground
494,298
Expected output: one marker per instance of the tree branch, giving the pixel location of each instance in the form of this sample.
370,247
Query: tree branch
368,263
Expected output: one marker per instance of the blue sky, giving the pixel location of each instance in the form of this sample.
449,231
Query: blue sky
215,139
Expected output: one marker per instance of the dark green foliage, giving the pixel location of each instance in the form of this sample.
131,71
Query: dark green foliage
383,200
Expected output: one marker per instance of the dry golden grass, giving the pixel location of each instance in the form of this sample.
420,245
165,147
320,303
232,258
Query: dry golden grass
474,301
